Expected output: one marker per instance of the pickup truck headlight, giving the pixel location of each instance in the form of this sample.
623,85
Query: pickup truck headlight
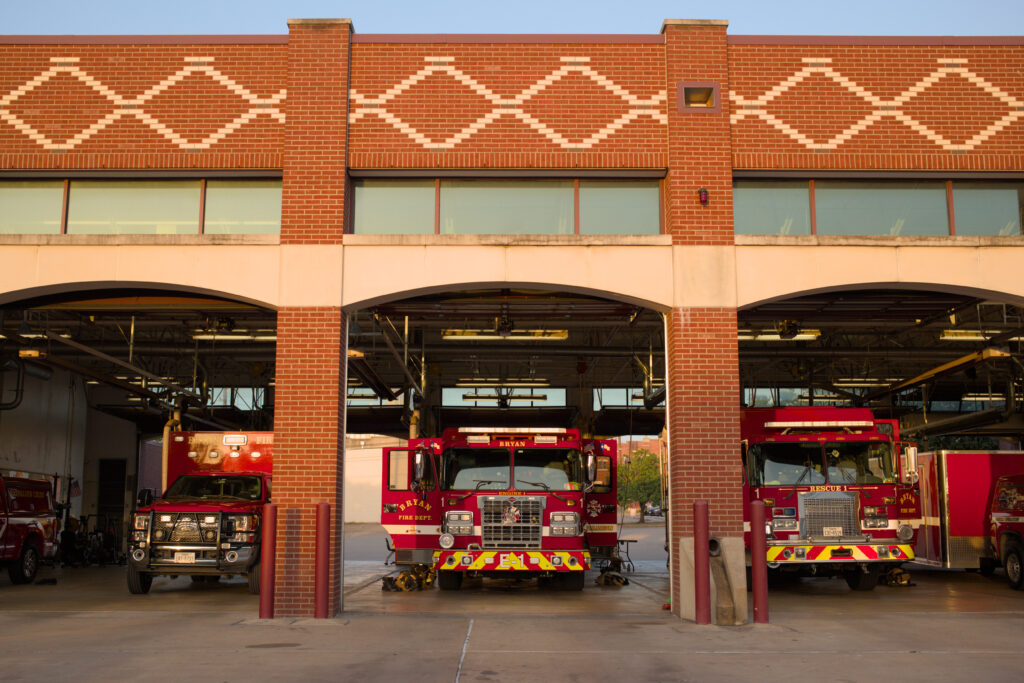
458,523
142,521
565,524
243,522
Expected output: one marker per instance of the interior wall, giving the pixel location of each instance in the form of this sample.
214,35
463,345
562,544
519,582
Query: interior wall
363,453
46,433
107,438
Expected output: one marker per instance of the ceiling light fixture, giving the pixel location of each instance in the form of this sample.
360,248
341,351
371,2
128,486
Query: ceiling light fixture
501,335
971,336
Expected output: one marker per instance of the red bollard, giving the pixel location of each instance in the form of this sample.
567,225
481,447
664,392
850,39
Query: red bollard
268,552
759,562
701,564
321,577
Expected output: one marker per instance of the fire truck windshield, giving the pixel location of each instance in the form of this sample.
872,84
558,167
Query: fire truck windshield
475,469
781,463
548,469
859,462
201,487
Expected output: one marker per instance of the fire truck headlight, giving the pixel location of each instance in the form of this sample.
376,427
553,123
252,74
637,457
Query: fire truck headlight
565,523
446,541
142,522
784,524
904,532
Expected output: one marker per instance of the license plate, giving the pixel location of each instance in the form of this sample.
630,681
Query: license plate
832,531
184,558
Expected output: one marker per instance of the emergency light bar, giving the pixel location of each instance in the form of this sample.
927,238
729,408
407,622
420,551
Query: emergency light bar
819,424
512,430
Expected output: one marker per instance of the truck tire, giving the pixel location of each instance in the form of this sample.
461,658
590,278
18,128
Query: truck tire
987,566
254,578
448,580
138,582
24,570
1013,563
863,581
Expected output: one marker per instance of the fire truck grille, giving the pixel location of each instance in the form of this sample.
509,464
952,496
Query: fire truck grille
822,513
182,528
511,522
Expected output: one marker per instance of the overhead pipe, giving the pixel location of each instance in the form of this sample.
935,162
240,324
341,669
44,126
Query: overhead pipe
19,389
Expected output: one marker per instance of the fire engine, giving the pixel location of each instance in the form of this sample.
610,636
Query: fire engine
502,502
28,526
1007,527
837,501
962,525
206,524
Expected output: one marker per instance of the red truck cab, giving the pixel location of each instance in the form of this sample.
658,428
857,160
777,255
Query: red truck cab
1007,527
28,526
206,525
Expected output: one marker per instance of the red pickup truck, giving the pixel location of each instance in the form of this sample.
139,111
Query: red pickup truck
1007,527
28,526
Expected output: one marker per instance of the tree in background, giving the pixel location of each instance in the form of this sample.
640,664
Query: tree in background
639,480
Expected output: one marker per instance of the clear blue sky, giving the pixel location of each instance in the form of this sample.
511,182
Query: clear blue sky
798,17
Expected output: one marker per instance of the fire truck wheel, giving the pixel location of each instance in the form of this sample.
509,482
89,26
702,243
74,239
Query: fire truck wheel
571,581
24,570
254,579
138,582
863,581
449,580
1014,565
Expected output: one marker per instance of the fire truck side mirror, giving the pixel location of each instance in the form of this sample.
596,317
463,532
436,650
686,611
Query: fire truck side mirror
591,468
145,498
910,464
418,465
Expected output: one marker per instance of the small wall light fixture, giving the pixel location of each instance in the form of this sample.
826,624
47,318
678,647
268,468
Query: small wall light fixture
703,196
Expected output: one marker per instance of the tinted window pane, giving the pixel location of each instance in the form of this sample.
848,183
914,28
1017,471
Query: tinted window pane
133,207
987,208
30,208
771,208
847,208
394,207
619,208
243,207
507,207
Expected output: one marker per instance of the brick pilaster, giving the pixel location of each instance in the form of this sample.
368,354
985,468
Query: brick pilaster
704,425
309,425
315,140
699,149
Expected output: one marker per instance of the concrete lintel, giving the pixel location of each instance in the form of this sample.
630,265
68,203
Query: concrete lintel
694,23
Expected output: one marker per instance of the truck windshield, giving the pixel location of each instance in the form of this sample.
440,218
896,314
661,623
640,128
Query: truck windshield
548,469
475,469
206,487
859,462
785,464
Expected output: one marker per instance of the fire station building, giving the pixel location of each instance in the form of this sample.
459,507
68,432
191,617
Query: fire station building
754,200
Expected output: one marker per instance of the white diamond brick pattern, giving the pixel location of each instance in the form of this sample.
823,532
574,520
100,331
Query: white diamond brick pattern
882,108
364,105
133,106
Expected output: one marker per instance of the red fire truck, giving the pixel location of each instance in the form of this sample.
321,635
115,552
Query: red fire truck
28,526
837,501
959,508
528,502
1007,527
206,524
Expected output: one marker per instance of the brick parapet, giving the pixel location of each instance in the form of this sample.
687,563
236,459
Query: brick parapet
309,425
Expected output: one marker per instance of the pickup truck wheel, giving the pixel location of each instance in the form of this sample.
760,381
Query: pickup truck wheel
863,581
254,579
139,583
448,580
24,570
1014,566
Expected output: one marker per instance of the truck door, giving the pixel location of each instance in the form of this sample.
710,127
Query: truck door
3,521
411,506
600,504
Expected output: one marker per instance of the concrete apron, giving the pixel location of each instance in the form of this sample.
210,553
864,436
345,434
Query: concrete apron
728,583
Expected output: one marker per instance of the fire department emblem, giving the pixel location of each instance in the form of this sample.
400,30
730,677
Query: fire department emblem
511,514
593,508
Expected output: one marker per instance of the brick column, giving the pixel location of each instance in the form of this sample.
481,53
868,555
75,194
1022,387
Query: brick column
316,132
309,444
702,361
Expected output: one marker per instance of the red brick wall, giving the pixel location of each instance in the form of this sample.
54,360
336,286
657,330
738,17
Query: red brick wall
698,141
59,100
704,423
313,188
575,107
309,424
956,101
